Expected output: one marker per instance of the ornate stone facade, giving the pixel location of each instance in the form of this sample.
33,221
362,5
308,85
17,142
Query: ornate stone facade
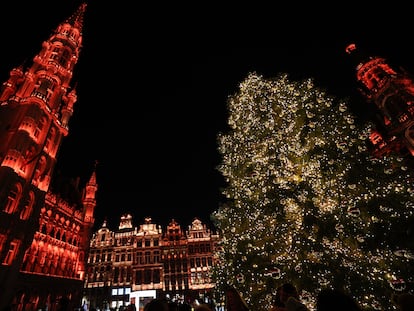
131,264
44,236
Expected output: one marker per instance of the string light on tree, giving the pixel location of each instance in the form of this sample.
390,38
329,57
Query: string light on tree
305,196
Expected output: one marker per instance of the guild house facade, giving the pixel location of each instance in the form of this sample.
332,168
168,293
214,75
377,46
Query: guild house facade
133,265
45,234
47,221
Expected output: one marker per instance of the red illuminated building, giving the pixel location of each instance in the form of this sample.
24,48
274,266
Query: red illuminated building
44,236
392,92
135,265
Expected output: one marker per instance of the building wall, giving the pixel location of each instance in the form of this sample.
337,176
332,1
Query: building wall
133,263
391,91
44,236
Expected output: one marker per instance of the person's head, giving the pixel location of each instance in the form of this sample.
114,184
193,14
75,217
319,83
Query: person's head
276,301
287,290
234,302
172,306
156,305
202,307
184,307
335,299
63,303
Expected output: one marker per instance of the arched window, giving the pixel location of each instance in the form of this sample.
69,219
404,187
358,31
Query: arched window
28,207
64,60
39,126
12,252
13,199
50,138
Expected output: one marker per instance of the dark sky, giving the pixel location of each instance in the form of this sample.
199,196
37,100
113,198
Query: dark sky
153,80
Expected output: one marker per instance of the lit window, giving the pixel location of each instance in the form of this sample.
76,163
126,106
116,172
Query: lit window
147,257
11,254
27,209
40,125
12,199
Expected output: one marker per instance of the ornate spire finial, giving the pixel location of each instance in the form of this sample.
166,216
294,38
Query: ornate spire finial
76,19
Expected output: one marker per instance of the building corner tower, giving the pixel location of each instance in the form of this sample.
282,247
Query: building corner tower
391,90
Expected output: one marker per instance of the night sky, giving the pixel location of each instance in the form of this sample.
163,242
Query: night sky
153,80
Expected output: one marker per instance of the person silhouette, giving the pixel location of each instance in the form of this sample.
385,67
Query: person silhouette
234,301
335,299
287,299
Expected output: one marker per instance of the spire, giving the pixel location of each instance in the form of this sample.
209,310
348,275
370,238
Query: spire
76,19
92,180
92,185
89,197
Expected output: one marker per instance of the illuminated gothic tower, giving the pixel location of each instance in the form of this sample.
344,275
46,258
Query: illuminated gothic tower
40,234
392,91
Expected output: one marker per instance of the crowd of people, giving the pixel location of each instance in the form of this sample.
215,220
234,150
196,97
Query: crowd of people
165,305
287,298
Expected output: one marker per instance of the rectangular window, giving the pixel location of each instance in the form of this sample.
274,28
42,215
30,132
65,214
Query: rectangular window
147,257
138,277
116,275
140,259
129,275
157,276
147,276
156,256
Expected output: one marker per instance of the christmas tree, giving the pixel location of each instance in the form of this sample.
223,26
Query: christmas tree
306,201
